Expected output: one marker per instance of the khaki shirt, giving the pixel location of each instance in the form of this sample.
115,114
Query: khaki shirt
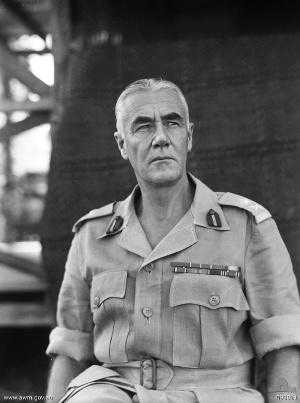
121,301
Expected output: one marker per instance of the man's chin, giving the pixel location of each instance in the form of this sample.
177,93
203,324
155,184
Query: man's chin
164,178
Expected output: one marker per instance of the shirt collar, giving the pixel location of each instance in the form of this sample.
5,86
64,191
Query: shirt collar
204,201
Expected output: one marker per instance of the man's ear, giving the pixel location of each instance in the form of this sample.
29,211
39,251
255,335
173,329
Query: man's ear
190,136
121,144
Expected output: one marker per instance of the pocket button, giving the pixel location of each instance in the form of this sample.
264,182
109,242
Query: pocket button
147,312
214,300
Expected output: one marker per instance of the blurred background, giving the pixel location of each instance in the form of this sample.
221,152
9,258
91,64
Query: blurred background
62,66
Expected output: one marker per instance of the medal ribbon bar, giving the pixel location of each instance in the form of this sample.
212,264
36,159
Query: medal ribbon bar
209,269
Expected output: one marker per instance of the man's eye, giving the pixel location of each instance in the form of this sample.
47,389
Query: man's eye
172,124
144,127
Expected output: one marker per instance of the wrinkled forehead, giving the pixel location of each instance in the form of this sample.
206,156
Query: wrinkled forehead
152,103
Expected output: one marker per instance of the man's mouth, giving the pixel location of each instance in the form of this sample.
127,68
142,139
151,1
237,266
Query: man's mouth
161,158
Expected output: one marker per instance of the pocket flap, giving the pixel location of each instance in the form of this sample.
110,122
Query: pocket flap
109,284
211,291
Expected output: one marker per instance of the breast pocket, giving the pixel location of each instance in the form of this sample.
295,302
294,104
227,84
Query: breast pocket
110,314
207,313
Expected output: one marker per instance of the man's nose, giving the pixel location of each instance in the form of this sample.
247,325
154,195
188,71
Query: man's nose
160,136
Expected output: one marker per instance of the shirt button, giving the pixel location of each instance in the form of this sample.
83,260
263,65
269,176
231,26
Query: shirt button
97,301
214,300
147,364
147,312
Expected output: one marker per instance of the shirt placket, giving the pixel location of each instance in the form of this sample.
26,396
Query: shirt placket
147,310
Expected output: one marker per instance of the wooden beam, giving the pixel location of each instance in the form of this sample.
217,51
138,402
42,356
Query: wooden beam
20,314
35,119
18,69
8,106
14,281
7,155
28,52
24,17
61,37
21,264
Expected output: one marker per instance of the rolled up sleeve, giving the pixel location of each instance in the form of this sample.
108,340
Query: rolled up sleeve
271,290
73,335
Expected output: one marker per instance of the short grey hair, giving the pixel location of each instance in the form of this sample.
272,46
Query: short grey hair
147,84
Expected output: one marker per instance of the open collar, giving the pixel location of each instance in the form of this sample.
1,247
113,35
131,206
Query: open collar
131,235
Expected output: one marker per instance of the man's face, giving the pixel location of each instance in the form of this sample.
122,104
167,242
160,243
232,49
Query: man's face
156,136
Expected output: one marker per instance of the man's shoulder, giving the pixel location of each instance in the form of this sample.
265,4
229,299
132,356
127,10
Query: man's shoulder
259,212
94,214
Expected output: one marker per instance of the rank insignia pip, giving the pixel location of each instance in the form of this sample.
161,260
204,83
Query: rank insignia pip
213,219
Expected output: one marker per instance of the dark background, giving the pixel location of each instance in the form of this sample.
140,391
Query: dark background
238,64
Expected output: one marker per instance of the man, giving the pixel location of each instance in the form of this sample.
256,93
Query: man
174,291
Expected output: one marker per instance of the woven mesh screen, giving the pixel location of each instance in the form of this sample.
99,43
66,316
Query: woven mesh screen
244,95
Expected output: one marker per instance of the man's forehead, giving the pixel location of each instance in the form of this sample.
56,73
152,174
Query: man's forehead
147,103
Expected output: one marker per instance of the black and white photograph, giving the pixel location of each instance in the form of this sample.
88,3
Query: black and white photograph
149,201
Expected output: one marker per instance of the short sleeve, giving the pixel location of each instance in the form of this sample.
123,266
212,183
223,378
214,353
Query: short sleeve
271,290
73,335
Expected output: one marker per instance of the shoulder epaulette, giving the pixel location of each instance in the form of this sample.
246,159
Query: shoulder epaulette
96,213
259,212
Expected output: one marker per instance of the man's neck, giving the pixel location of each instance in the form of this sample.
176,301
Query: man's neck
160,208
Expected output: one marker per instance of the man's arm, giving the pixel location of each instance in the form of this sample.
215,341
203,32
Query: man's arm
64,369
71,341
283,373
